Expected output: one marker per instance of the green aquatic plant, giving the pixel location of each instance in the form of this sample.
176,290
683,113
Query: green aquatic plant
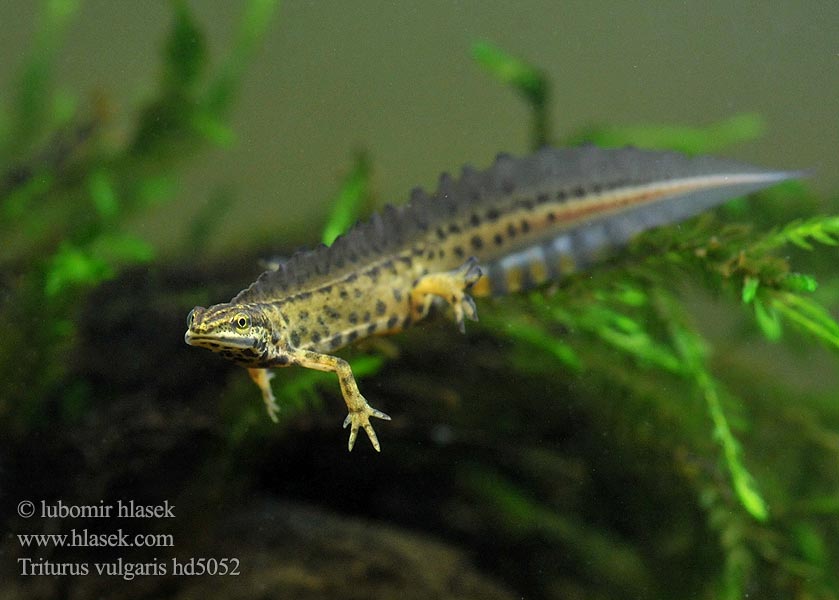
528,81
636,307
67,194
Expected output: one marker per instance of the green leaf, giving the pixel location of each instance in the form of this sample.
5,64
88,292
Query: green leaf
512,71
213,129
103,194
743,482
798,282
690,140
120,248
35,81
693,351
750,286
809,316
346,207
767,320
823,229
185,51
71,267
258,15
527,80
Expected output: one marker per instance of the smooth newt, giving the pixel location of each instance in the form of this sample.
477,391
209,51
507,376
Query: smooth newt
513,226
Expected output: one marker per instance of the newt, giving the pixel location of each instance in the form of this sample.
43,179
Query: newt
516,225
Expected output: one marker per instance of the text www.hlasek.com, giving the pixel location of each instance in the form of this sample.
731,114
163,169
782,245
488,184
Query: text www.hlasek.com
85,539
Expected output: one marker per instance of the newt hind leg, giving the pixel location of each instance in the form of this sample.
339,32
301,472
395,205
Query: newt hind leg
451,287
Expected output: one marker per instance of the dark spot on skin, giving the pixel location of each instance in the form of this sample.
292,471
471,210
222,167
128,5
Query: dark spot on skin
551,217
304,314
397,295
492,214
526,204
357,292
579,191
454,228
331,313
352,318
441,253
475,219
316,337
477,242
511,230
406,259
366,317
407,322
380,307
541,198
596,188
392,321
344,294
303,330
373,274
339,263
325,289
430,254
458,251
336,341
388,264
351,277
498,239
525,226
321,321
371,328
561,196
295,339
280,360
416,251
440,233
352,336
275,337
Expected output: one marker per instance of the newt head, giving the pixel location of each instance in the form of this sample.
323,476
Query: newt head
241,333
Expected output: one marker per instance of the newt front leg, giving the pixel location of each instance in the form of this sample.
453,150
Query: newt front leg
359,410
262,378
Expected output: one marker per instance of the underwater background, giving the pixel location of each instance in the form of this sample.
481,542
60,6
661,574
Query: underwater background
666,426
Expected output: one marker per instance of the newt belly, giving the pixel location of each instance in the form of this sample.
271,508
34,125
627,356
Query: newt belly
518,224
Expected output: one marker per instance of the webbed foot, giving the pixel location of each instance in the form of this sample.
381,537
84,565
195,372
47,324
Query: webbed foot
360,418
451,286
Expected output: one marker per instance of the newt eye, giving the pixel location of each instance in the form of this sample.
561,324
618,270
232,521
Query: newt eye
242,322
190,318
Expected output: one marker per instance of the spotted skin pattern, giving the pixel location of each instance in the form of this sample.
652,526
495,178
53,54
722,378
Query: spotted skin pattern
512,227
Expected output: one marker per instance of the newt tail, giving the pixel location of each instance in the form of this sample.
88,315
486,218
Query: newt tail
511,227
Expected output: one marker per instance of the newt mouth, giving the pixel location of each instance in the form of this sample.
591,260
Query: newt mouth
218,342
